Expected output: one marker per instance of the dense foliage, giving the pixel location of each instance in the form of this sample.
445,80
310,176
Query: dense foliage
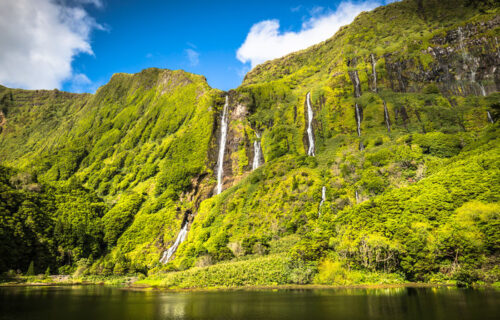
44,226
102,183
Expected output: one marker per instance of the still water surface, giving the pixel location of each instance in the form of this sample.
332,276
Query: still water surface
98,302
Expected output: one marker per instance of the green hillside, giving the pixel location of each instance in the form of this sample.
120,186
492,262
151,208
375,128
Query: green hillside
406,152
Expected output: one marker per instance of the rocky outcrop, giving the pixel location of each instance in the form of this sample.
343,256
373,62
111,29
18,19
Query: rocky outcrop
465,61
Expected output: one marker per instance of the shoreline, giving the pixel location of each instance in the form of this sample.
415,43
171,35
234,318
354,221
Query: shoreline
145,287
289,287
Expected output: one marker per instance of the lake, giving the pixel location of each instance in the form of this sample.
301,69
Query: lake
101,302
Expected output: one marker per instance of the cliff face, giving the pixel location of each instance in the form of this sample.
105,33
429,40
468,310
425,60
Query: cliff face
401,109
405,93
464,62
142,143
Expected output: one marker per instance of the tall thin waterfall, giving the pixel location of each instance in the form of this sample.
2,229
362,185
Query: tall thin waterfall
374,73
490,118
310,133
358,120
222,146
472,63
323,199
356,194
357,84
483,92
357,93
461,43
359,117
386,117
167,254
256,152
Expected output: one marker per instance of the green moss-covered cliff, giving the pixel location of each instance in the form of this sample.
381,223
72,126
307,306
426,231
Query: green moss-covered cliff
103,183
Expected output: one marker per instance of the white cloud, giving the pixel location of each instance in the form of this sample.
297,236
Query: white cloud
97,3
81,83
265,41
193,57
40,38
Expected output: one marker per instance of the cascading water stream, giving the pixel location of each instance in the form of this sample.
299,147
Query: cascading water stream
357,84
461,43
358,120
323,199
222,146
374,73
167,254
358,123
256,152
490,118
220,174
358,112
310,133
386,117
472,63
483,92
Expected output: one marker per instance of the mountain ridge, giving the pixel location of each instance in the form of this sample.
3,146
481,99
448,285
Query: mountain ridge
142,155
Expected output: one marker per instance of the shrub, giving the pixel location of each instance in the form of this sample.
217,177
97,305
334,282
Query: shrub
330,272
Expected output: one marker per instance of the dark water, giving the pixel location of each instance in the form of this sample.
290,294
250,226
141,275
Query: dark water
95,302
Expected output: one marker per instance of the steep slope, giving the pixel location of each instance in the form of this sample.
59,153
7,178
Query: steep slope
33,121
370,156
140,142
393,106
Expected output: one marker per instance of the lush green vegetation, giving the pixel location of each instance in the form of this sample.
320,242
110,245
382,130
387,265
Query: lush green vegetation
45,227
138,144
99,185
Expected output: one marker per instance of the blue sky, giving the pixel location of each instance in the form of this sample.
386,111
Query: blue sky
109,36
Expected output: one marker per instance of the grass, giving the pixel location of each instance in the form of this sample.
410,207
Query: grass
264,271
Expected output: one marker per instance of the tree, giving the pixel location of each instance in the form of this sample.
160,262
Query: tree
31,269
47,272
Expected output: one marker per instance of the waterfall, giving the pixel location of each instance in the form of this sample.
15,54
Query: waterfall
490,118
310,133
359,117
356,194
358,123
465,57
222,146
323,199
357,93
471,62
180,239
483,92
357,84
220,173
374,73
386,117
461,43
256,152
358,120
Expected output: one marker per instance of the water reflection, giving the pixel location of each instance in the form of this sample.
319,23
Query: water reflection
97,302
